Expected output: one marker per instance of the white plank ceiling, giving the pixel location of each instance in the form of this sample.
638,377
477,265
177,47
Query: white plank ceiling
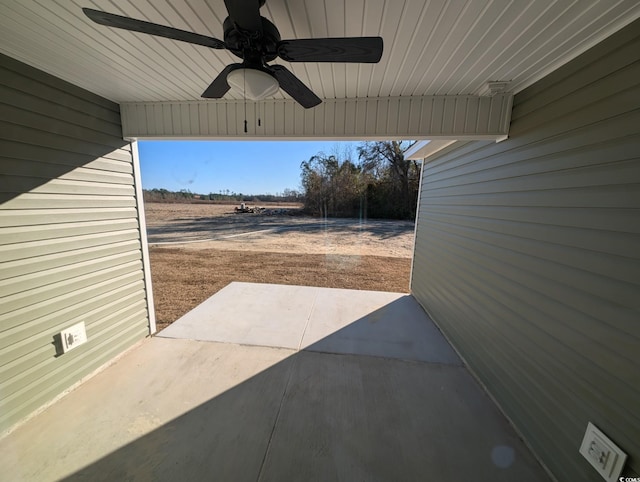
436,47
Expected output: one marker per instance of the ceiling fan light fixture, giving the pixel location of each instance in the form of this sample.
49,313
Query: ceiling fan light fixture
253,84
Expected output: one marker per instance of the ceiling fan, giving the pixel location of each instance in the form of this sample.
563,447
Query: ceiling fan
257,41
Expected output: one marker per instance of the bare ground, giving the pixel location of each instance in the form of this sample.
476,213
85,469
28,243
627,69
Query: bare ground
197,249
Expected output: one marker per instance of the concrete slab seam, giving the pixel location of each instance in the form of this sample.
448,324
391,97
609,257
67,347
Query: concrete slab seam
382,357
304,331
244,345
275,422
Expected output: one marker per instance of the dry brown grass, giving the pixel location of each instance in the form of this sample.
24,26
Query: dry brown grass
182,279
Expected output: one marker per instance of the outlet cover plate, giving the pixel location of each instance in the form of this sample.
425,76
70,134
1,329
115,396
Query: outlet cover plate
73,337
604,455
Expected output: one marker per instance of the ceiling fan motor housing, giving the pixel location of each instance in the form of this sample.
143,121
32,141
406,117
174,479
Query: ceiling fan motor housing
253,47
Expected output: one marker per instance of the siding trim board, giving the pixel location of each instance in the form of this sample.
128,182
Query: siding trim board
71,242
527,256
146,260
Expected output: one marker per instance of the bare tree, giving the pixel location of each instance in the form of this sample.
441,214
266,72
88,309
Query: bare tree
332,186
381,184
385,160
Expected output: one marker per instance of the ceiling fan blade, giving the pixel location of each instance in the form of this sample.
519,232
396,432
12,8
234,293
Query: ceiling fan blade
220,86
294,87
346,49
126,23
245,14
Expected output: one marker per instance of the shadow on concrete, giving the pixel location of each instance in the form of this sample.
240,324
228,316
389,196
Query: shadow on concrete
223,439
320,416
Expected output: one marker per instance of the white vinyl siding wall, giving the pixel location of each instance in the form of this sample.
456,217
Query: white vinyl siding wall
70,247
527,256
440,116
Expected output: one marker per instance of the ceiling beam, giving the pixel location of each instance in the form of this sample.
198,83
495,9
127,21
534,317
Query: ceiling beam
429,117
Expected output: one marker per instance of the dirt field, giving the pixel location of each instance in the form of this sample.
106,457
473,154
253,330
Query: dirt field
197,249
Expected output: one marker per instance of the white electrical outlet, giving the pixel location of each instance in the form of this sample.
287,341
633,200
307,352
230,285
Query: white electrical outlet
600,451
73,336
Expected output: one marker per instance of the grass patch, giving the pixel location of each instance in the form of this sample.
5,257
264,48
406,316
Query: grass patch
182,278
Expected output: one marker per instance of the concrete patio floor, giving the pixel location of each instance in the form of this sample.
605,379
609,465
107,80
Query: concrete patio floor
278,383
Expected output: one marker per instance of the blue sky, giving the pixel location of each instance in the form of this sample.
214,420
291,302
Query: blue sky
248,167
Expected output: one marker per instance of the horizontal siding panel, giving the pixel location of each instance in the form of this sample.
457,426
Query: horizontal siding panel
56,201
520,305
619,173
112,162
39,123
52,275
487,169
619,243
620,129
74,305
53,109
575,78
30,233
29,220
597,219
19,378
43,86
614,86
615,105
43,246
70,247
606,298
625,196
35,349
66,187
527,256
56,283
80,145
70,259
42,170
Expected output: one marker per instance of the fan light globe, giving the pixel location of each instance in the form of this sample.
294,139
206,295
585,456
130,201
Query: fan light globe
253,84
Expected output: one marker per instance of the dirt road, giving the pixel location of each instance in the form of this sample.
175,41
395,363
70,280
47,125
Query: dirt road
206,226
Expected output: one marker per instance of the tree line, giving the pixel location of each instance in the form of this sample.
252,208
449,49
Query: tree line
185,195
376,181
